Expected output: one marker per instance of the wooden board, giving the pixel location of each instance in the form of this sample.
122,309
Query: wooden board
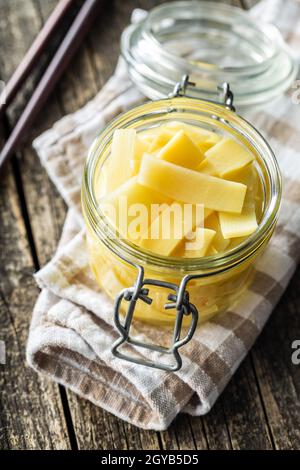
259,408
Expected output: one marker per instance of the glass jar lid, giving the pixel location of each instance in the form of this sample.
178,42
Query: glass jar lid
212,43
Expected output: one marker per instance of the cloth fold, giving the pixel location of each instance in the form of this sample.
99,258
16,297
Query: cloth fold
72,327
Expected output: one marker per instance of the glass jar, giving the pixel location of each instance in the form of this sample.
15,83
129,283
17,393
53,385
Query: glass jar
166,291
212,43
214,282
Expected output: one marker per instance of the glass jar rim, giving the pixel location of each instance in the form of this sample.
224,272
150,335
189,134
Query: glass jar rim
155,110
155,69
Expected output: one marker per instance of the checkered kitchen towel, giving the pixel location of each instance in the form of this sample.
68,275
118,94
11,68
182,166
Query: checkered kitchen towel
72,331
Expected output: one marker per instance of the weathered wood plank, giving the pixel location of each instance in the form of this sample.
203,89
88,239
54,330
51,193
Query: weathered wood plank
278,377
28,403
95,429
215,428
244,412
21,26
182,436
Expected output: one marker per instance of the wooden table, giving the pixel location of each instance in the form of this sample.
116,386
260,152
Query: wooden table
260,408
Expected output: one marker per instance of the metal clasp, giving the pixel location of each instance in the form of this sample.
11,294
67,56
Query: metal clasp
178,300
225,93
180,87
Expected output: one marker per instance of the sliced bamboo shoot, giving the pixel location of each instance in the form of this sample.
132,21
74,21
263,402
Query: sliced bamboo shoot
225,158
200,246
123,204
181,151
212,222
185,185
160,140
238,225
122,151
173,223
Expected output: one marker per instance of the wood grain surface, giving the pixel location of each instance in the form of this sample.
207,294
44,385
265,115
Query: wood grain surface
259,409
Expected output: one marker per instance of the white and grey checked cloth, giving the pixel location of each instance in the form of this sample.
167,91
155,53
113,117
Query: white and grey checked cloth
72,329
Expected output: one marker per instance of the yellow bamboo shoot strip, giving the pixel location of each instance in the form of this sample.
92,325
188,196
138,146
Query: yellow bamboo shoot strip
160,140
250,178
122,151
196,133
225,158
135,167
120,206
202,138
245,176
140,147
212,222
148,136
204,146
182,151
172,224
238,225
211,251
182,184
200,246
